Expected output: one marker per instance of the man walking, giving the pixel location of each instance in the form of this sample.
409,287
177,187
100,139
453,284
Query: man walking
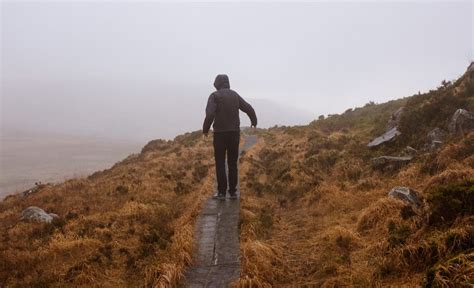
223,109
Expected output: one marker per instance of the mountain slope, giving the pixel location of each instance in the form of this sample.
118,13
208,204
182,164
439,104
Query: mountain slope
315,210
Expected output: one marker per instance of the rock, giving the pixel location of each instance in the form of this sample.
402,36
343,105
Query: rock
435,145
391,132
405,194
394,119
28,192
38,186
436,134
435,138
385,163
461,123
37,214
410,151
387,136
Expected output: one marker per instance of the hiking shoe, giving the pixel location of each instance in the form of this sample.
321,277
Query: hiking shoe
233,195
219,196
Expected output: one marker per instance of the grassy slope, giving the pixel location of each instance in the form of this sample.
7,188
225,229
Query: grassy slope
131,225
315,213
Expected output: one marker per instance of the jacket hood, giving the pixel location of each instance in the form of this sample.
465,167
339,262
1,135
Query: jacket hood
222,82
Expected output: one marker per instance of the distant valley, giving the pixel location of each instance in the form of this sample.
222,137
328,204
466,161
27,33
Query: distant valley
28,158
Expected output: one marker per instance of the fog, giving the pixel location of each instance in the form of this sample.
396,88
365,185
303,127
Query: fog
140,71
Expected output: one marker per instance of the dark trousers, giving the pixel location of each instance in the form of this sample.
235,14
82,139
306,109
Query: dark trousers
226,143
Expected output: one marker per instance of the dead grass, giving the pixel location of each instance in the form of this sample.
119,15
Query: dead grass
126,226
313,211
332,224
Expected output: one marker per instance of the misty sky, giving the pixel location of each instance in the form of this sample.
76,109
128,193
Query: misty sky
141,71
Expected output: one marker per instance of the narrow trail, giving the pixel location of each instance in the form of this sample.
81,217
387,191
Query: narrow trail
217,257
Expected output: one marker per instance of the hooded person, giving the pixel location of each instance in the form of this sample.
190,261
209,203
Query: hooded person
222,112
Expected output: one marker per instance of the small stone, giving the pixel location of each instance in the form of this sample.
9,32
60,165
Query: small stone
435,145
410,151
37,214
406,194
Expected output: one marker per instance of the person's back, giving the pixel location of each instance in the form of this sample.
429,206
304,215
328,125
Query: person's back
223,109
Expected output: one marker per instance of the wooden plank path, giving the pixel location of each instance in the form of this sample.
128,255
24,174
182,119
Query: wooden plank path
217,256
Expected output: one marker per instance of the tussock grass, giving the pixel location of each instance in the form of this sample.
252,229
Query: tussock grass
315,214
121,227
313,211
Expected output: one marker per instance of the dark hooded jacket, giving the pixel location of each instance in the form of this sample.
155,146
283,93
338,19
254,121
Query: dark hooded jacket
223,108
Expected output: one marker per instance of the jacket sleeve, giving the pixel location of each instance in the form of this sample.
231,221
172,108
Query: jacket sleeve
248,109
210,114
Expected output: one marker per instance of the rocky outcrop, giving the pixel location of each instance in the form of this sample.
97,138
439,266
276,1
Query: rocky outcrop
391,131
461,123
34,213
388,163
406,194
387,136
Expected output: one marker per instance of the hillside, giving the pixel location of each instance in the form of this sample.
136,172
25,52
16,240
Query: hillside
317,213
314,210
131,225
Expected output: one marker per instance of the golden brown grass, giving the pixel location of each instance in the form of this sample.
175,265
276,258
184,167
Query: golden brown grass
314,213
332,224
131,225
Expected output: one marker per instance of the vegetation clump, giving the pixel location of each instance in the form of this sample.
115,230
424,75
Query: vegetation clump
455,272
447,202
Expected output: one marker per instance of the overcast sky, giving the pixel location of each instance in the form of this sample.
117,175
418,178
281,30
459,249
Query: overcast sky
144,70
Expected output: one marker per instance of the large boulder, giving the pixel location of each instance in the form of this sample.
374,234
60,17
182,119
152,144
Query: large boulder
386,163
461,123
34,213
406,194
